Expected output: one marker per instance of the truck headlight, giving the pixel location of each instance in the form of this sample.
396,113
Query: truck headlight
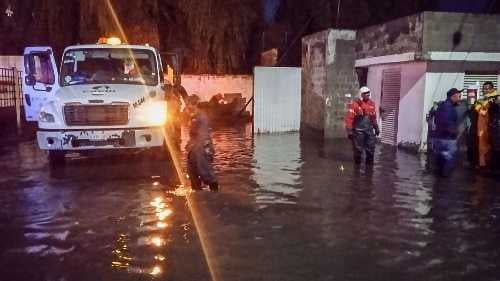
46,117
155,113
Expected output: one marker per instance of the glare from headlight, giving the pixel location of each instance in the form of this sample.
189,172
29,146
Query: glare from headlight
46,117
155,113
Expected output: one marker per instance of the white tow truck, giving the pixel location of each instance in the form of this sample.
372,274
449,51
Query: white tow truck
105,96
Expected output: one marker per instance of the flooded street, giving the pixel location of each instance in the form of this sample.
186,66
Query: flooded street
112,218
289,209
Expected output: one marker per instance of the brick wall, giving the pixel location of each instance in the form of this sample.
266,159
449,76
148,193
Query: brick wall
314,81
470,32
342,85
329,80
398,36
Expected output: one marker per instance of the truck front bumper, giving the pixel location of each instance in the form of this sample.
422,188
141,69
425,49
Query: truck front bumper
88,139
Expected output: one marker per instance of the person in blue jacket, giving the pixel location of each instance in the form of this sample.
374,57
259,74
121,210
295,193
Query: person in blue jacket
446,134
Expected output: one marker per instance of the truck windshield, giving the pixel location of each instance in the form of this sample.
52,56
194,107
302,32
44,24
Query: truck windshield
109,66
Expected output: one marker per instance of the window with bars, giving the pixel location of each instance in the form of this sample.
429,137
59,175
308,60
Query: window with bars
472,79
10,87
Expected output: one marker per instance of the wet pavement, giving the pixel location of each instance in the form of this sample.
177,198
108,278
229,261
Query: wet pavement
289,209
111,218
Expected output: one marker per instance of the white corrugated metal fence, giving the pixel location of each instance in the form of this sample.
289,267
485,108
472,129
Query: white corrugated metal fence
277,94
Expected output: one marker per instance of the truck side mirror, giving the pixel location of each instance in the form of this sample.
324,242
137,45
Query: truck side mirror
30,80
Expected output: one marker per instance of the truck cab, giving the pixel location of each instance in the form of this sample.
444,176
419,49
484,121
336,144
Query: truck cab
104,96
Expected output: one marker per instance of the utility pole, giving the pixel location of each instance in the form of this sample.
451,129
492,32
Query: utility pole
17,98
337,18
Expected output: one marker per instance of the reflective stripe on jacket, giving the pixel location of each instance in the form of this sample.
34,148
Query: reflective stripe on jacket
361,115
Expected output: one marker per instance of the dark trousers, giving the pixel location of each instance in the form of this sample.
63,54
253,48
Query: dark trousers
363,141
445,156
495,161
472,148
200,169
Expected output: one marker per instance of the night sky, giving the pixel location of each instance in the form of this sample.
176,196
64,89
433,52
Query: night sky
473,6
271,6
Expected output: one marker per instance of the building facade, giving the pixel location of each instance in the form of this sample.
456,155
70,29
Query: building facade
411,62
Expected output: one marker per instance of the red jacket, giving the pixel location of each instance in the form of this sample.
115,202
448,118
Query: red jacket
360,108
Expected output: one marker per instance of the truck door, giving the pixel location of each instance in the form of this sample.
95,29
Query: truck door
40,79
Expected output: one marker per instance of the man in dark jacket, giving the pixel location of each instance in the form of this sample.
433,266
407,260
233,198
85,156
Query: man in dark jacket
431,125
446,134
361,125
200,149
494,128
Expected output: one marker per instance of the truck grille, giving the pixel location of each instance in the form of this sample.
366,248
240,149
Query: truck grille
96,115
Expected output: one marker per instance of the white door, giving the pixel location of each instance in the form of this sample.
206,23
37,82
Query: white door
277,93
40,80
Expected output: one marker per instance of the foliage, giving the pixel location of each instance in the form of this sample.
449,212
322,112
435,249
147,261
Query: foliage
219,33
137,19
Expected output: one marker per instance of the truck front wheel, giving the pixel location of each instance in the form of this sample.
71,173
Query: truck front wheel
56,157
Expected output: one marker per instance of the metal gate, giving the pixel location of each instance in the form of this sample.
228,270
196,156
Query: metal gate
277,93
391,87
11,99
9,79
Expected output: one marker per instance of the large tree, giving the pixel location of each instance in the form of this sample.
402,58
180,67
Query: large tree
133,21
219,34
215,34
37,22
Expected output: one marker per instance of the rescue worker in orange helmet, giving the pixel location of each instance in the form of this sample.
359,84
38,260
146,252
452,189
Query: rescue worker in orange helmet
482,107
361,125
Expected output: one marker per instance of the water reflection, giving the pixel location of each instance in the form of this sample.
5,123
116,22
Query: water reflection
113,216
393,218
353,223
121,252
267,167
154,221
156,271
276,170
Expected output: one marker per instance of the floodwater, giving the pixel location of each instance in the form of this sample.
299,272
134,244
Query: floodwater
289,209
110,218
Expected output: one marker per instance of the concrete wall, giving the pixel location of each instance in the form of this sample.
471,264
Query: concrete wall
11,61
328,80
430,32
463,66
342,85
314,80
477,33
411,104
399,36
374,82
206,86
